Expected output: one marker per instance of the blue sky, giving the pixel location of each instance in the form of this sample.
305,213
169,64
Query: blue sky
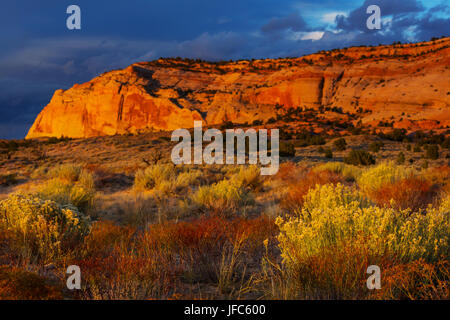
39,54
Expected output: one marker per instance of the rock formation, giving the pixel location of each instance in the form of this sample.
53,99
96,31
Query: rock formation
409,83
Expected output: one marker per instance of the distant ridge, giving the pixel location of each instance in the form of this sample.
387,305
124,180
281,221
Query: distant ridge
403,83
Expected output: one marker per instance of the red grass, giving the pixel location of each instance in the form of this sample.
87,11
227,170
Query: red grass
299,188
16,284
414,193
415,280
168,254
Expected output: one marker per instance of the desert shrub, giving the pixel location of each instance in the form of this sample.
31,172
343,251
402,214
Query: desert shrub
394,135
305,138
288,171
68,172
224,196
432,152
153,176
17,284
414,193
120,263
297,191
8,179
80,194
415,280
331,196
340,144
104,236
188,178
417,148
286,149
400,158
249,177
376,146
349,172
386,172
334,213
201,243
334,218
166,178
41,229
359,157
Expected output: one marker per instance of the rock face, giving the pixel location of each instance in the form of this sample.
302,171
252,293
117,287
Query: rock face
408,83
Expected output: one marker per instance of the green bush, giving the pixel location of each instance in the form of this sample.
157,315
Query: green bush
359,157
328,153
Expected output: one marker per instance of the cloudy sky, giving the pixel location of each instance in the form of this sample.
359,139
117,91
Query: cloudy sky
39,54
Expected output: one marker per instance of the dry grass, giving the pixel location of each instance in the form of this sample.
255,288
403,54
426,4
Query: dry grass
162,231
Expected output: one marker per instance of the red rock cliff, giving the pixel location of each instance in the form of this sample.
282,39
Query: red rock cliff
393,81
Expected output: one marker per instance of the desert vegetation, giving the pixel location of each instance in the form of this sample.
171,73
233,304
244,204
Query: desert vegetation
160,231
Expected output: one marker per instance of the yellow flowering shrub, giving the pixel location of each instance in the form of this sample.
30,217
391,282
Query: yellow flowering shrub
41,229
348,171
331,196
334,215
386,172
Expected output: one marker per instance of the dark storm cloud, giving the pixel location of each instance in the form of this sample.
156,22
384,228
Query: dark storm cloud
356,20
292,22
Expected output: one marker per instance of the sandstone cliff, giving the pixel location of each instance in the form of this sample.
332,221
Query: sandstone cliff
408,83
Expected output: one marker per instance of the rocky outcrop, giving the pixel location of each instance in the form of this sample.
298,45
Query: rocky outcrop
408,83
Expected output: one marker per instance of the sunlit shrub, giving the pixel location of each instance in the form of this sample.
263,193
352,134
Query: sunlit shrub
224,196
81,194
386,172
41,229
336,228
297,190
248,177
328,196
333,217
188,178
69,172
153,176
350,172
